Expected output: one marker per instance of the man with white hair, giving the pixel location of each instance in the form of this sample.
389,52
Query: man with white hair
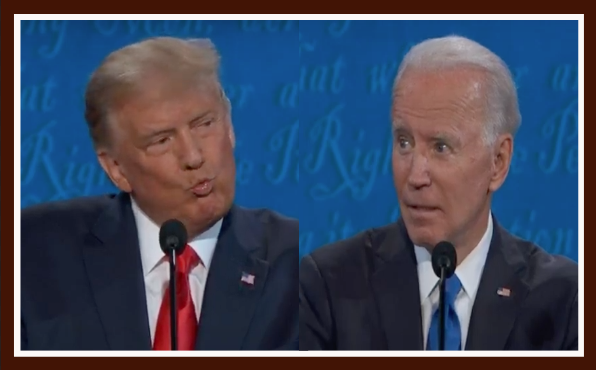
94,276
454,115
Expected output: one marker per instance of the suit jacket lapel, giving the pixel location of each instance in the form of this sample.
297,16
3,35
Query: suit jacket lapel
228,302
493,314
113,263
395,284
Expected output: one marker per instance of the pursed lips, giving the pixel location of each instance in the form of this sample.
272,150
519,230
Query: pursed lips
200,182
202,187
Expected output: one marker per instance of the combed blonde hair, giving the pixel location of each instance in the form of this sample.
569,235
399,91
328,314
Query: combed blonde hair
192,61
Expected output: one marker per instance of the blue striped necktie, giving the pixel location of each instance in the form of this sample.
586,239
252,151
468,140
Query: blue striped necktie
452,326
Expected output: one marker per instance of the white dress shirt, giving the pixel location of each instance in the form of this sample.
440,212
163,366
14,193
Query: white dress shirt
156,267
468,272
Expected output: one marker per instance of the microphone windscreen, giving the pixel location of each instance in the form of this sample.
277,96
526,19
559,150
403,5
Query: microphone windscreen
444,256
172,235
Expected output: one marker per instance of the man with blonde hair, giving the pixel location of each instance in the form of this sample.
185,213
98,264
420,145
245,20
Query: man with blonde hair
94,276
454,113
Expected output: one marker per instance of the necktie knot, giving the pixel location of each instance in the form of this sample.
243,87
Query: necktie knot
187,260
452,288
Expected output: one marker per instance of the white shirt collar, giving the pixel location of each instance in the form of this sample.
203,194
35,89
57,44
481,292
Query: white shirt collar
151,253
469,271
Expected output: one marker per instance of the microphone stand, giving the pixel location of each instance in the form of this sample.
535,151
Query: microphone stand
173,308
442,310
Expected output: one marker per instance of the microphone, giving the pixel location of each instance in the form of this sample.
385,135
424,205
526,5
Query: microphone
172,240
444,261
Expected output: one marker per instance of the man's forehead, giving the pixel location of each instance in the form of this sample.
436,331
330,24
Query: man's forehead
436,123
161,92
421,88
158,107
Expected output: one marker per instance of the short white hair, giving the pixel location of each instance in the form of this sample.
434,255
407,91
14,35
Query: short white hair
454,51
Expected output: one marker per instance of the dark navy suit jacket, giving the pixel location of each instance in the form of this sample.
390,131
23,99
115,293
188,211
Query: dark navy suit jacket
362,293
82,283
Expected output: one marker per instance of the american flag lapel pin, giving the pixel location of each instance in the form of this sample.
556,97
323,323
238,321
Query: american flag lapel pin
247,279
504,292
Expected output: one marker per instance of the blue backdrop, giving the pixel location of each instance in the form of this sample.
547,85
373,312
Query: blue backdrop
346,73
335,77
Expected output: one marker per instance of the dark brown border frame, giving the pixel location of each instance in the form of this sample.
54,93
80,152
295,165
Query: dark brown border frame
41,7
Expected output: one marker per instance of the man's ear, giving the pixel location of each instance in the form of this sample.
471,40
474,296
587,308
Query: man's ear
114,170
502,156
231,134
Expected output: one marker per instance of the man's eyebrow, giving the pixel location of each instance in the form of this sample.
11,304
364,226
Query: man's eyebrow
449,137
153,133
399,126
200,116
442,138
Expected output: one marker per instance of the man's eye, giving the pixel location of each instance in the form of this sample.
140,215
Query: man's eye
403,142
441,147
161,141
207,123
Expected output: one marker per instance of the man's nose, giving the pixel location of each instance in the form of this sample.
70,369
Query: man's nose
419,175
191,152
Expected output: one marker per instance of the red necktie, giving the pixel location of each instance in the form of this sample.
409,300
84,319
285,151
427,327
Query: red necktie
187,319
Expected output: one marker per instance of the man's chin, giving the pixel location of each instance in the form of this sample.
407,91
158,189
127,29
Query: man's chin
423,237
207,212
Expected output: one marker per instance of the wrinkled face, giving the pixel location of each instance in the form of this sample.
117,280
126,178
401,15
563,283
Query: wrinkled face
443,170
172,149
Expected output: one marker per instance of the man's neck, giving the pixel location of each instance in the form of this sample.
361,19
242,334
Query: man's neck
472,239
